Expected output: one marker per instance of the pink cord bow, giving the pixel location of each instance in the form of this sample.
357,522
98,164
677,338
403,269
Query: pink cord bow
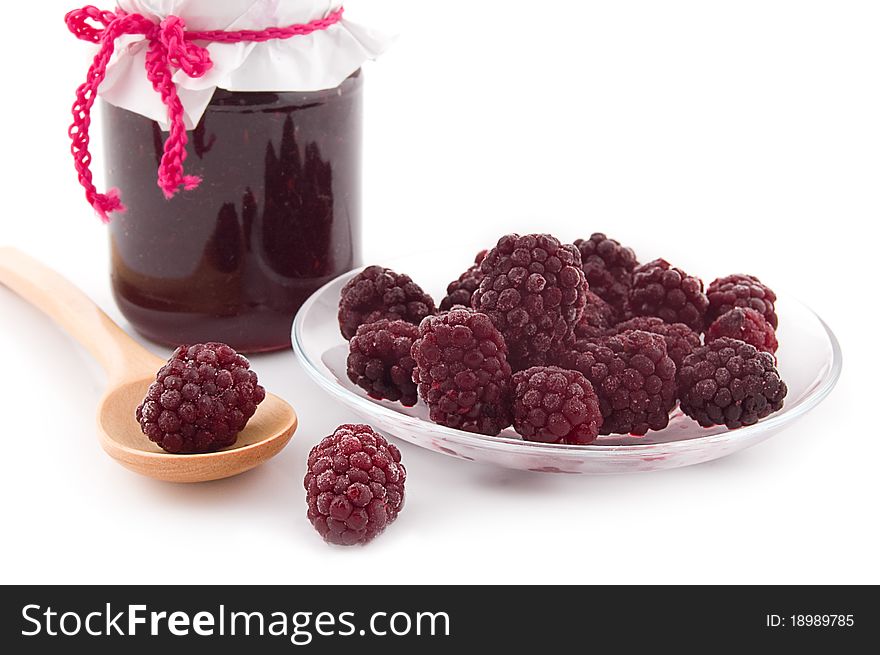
171,47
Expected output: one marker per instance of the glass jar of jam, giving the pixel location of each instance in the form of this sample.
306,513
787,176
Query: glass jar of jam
277,215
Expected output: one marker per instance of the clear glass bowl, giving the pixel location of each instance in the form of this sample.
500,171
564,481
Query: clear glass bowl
809,362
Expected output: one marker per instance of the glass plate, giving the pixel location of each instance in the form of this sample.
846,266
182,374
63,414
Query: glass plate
809,362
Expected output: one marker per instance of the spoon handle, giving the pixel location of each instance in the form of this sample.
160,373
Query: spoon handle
120,356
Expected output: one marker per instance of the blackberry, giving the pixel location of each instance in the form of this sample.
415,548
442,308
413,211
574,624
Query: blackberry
201,399
729,382
462,371
633,377
741,290
598,317
354,485
659,289
379,360
553,405
376,293
534,290
747,325
680,339
583,330
459,292
608,267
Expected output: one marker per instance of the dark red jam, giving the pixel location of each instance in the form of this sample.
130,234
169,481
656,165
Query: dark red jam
277,215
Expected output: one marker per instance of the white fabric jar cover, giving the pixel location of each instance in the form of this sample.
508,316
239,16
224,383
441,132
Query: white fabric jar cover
321,60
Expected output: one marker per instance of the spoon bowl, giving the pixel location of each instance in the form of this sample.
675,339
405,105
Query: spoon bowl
130,371
268,431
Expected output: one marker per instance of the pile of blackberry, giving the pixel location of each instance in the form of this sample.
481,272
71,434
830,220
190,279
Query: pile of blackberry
562,341
566,341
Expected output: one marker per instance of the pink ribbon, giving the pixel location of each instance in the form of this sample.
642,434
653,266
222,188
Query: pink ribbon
171,47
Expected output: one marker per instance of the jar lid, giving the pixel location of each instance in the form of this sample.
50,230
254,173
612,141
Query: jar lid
320,59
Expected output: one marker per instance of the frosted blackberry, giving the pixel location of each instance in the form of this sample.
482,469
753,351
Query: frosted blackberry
354,485
729,382
747,325
376,293
680,339
608,267
741,290
598,317
460,291
633,377
534,291
380,363
201,399
462,371
553,405
659,289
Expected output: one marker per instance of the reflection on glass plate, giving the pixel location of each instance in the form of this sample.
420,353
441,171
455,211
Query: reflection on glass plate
809,362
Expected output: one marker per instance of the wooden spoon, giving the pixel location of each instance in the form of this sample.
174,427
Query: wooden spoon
130,370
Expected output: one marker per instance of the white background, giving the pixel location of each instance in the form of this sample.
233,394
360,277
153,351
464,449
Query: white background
746,135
